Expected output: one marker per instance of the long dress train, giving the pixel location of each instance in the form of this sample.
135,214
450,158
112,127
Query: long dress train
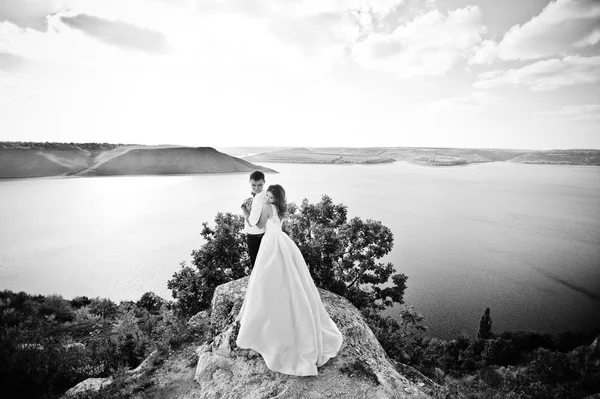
282,316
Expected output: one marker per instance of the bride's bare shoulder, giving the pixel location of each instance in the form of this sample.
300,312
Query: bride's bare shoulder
267,208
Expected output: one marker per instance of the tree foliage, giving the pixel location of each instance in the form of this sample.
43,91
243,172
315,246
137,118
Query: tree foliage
485,325
342,255
45,350
151,302
221,259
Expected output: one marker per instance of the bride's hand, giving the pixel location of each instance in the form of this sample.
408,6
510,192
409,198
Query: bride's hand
247,202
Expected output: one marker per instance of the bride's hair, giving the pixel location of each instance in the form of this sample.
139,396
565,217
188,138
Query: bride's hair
280,200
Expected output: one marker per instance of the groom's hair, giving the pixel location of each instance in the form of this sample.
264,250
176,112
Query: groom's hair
257,175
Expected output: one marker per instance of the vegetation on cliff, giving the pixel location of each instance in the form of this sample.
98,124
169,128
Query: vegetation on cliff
48,343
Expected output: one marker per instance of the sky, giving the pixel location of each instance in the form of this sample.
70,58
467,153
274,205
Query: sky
521,74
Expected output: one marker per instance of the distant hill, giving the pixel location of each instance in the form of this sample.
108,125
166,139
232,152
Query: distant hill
425,156
92,159
561,157
247,151
320,155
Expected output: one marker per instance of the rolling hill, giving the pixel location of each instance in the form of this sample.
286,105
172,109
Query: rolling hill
424,156
56,159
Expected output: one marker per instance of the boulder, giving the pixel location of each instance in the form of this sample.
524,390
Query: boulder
361,369
199,319
89,385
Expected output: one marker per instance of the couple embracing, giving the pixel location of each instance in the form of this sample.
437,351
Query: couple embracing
282,316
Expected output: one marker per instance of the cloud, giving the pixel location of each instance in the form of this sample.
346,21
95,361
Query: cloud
302,34
545,75
300,8
325,36
28,14
318,31
118,33
12,62
485,53
474,102
562,27
25,42
430,45
575,114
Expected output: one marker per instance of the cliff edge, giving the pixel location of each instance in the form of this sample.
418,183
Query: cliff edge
219,369
361,369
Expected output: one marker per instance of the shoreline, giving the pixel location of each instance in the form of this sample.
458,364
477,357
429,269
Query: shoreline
73,176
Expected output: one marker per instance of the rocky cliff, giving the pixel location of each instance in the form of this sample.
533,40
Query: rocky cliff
361,369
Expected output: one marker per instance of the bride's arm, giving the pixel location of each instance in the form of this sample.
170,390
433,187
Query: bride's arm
264,215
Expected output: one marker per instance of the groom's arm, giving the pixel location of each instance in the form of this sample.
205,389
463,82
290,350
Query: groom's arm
255,212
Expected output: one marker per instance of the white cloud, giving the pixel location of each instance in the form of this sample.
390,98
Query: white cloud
545,75
430,45
561,27
292,36
474,102
299,8
485,53
227,73
575,114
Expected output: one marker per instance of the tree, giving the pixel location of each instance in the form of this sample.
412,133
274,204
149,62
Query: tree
80,301
129,340
485,325
151,302
187,290
104,308
500,351
342,257
221,259
59,307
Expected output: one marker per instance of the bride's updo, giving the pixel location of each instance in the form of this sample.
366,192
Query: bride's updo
280,200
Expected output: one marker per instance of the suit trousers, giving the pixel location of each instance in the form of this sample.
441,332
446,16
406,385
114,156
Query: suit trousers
253,242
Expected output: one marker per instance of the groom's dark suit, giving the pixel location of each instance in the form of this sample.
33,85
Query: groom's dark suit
253,233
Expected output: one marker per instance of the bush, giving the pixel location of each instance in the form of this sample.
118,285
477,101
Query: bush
151,302
83,315
104,308
40,365
130,342
342,257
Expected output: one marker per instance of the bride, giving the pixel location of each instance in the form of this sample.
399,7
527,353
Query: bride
282,316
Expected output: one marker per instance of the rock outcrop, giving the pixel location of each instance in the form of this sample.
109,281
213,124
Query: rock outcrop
89,385
361,369
95,384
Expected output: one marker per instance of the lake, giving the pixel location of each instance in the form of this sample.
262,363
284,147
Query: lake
523,240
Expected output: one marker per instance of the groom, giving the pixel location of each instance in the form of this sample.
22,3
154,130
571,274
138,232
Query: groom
253,207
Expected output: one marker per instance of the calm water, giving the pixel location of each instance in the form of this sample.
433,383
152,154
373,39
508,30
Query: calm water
523,240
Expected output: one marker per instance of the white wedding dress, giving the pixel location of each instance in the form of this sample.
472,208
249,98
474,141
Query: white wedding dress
282,316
